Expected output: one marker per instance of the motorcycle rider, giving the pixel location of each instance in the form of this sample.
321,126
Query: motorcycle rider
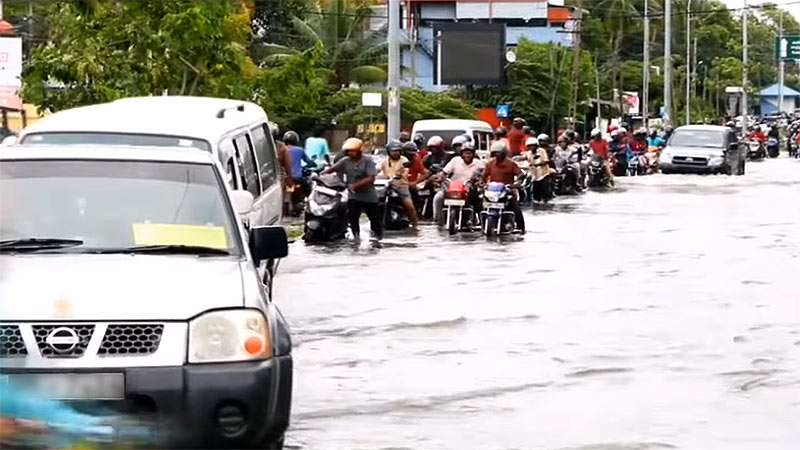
463,169
757,134
317,147
540,170
599,147
394,167
654,140
436,157
359,172
668,130
516,137
500,135
502,169
299,160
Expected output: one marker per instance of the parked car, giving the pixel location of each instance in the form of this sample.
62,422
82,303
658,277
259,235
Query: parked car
129,279
236,132
447,129
703,149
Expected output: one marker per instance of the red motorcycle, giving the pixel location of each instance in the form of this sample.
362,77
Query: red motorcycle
459,215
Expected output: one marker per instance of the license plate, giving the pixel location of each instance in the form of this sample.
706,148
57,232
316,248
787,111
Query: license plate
494,205
454,202
71,386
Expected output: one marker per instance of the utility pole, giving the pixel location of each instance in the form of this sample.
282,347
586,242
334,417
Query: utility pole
744,69
576,66
668,61
597,90
646,66
688,61
393,85
780,68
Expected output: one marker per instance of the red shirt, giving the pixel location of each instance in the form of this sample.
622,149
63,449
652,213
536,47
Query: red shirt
758,135
516,141
599,147
416,169
503,172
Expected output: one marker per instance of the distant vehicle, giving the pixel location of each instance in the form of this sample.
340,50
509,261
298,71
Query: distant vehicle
481,132
237,133
703,149
152,302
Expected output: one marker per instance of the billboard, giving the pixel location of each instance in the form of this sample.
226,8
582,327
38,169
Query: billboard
470,53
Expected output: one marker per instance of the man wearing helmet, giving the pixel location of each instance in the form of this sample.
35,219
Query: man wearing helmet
599,147
516,137
436,158
358,171
540,169
395,167
299,158
463,169
502,169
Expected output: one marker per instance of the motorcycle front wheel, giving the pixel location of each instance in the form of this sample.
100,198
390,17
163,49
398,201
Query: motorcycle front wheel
453,216
490,225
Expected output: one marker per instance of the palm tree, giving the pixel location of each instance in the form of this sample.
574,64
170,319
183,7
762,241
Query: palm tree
352,52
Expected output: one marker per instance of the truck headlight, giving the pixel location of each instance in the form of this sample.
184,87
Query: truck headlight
229,335
716,160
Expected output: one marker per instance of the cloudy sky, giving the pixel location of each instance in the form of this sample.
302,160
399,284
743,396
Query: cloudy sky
793,6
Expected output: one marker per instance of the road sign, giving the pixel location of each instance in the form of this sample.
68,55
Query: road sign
787,47
503,111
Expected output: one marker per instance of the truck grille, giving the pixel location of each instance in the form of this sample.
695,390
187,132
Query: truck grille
11,343
62,340
690,160
131,339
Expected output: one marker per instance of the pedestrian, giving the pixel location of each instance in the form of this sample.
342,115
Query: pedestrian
516,137
540,169
358,171
317,147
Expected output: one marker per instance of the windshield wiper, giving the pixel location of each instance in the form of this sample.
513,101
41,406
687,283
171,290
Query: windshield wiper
33,244
168,249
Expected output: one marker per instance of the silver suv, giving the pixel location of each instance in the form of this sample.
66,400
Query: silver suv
127,277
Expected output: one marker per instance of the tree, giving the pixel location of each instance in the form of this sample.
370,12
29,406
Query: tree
101,51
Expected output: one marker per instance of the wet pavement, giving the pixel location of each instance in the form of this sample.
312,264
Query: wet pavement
662,314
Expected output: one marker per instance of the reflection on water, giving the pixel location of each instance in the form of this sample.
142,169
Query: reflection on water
662,314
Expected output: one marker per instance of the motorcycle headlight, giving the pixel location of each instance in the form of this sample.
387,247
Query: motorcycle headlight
229,335
492,196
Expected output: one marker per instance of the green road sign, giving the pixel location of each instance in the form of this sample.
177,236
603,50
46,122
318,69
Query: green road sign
787,47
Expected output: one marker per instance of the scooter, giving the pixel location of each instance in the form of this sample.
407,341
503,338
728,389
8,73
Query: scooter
773,147
598,177
393,212
496,218
326,210
755,150
458,214
565,181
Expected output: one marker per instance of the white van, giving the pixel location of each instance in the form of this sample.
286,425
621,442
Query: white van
481,132
236,132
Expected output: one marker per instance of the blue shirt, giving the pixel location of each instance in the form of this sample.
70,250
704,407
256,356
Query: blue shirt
317,148
655,142
298,158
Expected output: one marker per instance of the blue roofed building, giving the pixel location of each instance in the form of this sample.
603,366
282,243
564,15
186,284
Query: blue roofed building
769,99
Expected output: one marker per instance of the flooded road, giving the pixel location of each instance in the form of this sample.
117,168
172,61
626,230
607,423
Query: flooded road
663,314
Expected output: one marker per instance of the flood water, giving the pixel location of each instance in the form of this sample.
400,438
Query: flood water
662,314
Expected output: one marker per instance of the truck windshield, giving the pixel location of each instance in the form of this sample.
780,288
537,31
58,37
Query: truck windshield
114,206
698,138
91,138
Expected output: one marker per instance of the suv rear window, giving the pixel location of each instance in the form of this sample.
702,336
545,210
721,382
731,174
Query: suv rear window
151,140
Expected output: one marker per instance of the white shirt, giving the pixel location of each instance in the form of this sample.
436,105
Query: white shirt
458,170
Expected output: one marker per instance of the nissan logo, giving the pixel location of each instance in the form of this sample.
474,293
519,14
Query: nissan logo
62,340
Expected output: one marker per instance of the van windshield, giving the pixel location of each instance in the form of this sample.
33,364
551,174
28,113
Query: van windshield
91,138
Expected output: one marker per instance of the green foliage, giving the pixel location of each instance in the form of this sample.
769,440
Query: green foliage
101,51
415,104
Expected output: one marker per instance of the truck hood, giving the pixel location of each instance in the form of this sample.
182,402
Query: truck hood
115,287
705,152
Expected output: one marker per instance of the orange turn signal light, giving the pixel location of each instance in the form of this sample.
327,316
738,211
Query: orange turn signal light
254,345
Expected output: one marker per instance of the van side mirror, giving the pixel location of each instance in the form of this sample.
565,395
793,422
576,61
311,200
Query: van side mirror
268,243
242,201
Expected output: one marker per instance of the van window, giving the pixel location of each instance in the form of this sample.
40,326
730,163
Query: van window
226,154
265,154
248,164
482,140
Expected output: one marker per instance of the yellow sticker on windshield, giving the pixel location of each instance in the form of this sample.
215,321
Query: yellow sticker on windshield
174,234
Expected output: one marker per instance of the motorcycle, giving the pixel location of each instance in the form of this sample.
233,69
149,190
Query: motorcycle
619,163
458,214
773,147
297,193
565,181
755,150
525,181
326,210
598,177
393,212
496,218
426,191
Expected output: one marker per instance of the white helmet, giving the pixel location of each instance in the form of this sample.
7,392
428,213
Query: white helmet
531,141
543,137
595,133
459,140
621,130
614,133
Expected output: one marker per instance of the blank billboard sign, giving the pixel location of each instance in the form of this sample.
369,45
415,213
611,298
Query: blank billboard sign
470,53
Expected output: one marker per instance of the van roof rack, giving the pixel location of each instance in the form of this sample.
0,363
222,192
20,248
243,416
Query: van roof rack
221,112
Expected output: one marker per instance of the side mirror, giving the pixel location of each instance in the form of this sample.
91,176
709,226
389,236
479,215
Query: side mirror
268,243
8,141
242,201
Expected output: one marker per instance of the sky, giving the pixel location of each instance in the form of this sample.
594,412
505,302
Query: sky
792,6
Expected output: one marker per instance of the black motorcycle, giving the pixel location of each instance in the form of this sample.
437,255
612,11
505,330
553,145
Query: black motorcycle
393,212
326,210
597,175
566,178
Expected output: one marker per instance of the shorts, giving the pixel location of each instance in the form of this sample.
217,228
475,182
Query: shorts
402,191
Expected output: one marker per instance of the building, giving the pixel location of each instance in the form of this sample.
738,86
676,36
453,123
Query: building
534,20
770,97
